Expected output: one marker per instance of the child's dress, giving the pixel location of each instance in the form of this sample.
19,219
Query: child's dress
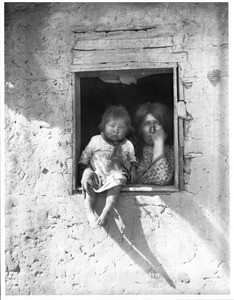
111,161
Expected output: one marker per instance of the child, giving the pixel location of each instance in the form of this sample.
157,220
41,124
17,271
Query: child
108,159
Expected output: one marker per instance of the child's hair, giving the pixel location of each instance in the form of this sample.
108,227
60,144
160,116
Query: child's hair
115,111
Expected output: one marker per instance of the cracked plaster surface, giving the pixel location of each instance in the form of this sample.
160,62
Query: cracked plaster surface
49,248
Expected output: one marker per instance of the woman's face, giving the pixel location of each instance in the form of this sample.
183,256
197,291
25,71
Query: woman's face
116,129
149,129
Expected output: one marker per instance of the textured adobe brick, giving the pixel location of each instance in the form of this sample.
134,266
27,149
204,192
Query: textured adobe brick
49,246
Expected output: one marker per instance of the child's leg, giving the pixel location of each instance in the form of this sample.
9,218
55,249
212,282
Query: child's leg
112,196
89,203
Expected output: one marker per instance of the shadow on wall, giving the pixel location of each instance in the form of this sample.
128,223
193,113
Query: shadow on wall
125,229
127,232
198,218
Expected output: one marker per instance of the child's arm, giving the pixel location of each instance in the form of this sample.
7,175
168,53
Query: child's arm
133,174
89,178
86,173
133,161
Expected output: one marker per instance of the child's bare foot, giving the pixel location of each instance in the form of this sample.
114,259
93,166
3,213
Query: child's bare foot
92,220
102,220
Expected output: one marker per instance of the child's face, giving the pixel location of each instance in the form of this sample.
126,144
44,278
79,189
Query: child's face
115,129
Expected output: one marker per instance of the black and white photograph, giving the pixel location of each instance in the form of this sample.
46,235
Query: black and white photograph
115,151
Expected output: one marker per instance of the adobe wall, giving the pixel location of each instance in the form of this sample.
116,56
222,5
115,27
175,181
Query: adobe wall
49,247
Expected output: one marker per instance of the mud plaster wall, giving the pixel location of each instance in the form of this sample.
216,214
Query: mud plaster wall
49,246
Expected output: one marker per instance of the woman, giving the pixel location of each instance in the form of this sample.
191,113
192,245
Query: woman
154,129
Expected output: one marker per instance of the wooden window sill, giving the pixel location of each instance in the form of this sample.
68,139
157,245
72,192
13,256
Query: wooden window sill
140,188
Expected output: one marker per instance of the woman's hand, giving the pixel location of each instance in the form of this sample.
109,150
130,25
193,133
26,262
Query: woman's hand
88,181
159,135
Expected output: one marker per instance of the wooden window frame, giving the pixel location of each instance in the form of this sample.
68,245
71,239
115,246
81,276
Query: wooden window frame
178,95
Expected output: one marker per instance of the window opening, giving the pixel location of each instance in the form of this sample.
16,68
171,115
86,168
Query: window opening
95,91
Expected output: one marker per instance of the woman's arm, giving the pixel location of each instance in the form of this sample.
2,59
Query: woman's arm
158,149
159,138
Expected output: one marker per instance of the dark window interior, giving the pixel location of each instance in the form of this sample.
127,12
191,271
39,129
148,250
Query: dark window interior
97,95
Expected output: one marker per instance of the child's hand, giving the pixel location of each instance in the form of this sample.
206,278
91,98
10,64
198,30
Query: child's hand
88,180
133,175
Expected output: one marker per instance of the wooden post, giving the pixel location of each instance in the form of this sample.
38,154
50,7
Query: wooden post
76,137
181,133
176,148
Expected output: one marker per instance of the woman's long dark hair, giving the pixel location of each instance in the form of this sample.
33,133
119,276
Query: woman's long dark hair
162,113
